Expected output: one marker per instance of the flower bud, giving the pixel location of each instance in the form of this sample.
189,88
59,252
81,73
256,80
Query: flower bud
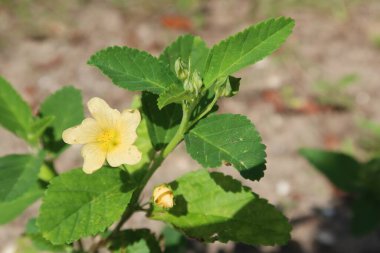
163,196
223,87
196,81
181,69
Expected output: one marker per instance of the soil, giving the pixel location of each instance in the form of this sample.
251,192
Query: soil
48,47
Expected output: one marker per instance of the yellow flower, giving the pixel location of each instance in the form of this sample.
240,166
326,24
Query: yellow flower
108,135
163,196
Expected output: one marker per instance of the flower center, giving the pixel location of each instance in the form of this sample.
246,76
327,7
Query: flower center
108,139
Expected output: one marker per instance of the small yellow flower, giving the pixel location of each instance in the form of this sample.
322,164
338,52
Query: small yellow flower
108,135
163,196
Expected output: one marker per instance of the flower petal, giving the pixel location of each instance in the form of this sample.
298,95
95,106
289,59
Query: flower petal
93,156
103,113
123,154
86,132
132,118
130,121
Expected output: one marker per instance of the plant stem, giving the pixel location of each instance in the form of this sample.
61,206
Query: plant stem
181,130
207,110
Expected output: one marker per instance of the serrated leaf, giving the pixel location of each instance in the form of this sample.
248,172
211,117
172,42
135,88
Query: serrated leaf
136,241
228,138
162,124
186,47
34,234
18,175
214,207
78,205
10,210
173,94
16,115
133,69
341,169
246,48
65,105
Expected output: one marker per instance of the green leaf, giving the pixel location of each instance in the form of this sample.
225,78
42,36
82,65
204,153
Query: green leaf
133,69
228,138
144,144
187,47
342,170
136,241
16,115
33,232
40,125
173,94
175,242
212,206
370,177
18,175
162,124
246,48
10,210
65,105
366,215
78,205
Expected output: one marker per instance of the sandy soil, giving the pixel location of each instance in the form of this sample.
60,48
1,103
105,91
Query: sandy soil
40,58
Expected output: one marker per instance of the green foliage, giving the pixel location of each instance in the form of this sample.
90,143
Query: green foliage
173,94
133,69
361,180
246,48
66,107
341,169
228,138
175,242
162,124
11,209
34,234
366,215
136,241
214,207
190,49
18,175
77,205
16,115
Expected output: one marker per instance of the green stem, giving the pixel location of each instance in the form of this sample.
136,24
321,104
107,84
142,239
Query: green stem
207,110
181,130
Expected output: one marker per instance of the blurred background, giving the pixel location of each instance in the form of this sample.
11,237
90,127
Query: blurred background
321,89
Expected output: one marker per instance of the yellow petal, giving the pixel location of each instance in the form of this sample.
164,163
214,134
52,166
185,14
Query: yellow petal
130,121
163,196
86,132
104,115
93,156
123,154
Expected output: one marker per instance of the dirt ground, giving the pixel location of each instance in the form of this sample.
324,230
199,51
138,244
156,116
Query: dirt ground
45,46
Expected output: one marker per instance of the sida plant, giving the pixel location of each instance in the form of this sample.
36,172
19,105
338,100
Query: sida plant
122,150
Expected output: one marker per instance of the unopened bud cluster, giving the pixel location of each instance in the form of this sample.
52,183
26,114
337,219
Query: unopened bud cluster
192,81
